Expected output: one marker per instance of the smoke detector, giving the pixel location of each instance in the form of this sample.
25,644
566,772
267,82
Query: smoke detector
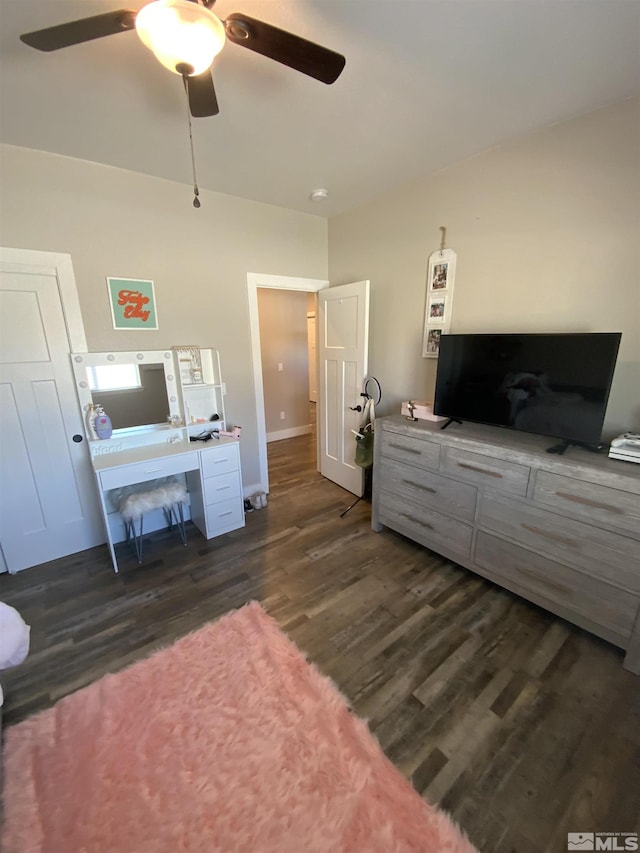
319,195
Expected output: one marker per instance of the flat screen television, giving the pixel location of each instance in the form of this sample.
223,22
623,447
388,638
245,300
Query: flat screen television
555,385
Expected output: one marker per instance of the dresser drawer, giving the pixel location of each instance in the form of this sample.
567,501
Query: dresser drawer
544,581
140,472
221,488
439,532
219,460
486,471
427,489
406,448
599,504
605,555
225,516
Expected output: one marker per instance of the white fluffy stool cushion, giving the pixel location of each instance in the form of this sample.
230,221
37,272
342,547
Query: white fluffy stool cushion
164,496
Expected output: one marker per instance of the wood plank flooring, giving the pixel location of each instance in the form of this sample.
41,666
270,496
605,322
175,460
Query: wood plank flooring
520,725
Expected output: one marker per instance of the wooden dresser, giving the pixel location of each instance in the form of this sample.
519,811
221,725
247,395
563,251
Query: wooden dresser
561,531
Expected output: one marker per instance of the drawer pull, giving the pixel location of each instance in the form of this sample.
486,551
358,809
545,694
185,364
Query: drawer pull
420,486
222,488
480,470
152,470
220,461
555,537
577,499
405,449
222,514
417,521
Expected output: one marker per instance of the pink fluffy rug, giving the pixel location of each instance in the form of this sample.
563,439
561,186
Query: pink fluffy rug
226,741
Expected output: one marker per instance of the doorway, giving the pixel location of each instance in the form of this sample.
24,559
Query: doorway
286,365
255,281
342,354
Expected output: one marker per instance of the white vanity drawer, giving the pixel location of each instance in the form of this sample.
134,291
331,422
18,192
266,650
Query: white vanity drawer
140,472
219,460
224,516
221,488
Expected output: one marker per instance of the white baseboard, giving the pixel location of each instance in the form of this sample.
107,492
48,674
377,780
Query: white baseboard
292,432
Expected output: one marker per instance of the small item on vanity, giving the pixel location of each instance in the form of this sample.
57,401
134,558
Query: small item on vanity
91,422
214,417
103,423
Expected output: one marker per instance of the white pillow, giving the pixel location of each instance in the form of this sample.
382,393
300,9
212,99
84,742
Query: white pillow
14,637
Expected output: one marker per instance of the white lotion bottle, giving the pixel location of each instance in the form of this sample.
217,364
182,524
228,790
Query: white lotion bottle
102,423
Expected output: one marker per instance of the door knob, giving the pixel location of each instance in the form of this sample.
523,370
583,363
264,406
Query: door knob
356,408
77,438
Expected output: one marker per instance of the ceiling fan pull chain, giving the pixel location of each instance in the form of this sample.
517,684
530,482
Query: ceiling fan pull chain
196,191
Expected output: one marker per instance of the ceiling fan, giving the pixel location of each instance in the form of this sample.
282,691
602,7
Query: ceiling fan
185,36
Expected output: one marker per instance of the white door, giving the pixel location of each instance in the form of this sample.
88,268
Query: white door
48,497
343,349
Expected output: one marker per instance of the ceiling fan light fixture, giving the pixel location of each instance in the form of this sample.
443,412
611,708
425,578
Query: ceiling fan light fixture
181,33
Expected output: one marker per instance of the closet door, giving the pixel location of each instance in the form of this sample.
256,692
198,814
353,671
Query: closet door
48,498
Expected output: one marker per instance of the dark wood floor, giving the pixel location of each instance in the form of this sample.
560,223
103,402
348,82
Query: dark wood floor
521,726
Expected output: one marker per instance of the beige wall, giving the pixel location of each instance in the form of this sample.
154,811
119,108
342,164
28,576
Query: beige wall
120,223
283,340
547,235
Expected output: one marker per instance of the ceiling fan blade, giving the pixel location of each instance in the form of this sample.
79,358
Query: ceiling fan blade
298,53
202,95
76,32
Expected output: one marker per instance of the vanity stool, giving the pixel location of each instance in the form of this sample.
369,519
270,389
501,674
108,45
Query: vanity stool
168,495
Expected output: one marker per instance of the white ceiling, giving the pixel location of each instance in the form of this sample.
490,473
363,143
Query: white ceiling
427,83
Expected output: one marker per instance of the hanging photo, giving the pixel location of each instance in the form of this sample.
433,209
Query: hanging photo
433,341
439,276
436,311
439,300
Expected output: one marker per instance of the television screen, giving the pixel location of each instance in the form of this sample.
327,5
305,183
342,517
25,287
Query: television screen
551,384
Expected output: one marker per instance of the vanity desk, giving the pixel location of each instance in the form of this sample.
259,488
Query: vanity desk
212,473
136,387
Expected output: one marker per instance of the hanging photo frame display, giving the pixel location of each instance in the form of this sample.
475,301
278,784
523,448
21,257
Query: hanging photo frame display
439,300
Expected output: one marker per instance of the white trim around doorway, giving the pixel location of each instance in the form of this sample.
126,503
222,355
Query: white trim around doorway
278,282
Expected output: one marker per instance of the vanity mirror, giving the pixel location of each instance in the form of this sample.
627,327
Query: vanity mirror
138,390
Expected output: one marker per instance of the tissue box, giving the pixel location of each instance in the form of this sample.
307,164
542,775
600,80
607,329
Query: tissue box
423,410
